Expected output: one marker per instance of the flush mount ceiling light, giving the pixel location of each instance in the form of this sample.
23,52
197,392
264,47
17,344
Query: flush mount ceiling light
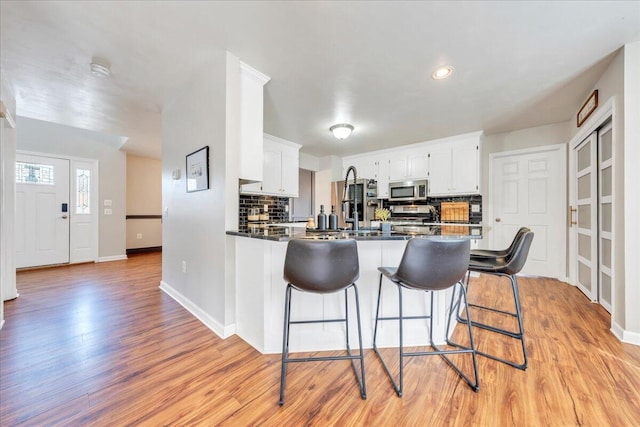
100,68
442,72
341,131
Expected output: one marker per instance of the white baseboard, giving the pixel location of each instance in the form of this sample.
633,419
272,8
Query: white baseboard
625,336
617,330
112,258
631,337
219,329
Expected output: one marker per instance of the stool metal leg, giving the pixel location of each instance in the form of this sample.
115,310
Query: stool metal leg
398,387
285,342
360,376
519,334
454,307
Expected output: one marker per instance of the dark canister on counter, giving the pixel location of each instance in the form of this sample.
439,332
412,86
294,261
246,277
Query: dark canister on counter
333,219
322,219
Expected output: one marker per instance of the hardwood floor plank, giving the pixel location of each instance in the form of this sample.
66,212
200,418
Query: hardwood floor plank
100,344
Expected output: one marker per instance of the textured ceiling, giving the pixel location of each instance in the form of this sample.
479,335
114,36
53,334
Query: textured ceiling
517,64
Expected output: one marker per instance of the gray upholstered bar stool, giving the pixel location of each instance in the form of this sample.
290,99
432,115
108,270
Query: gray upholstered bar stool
430,264
505,264
322,267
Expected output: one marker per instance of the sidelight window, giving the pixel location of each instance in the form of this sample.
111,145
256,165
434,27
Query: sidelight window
83,182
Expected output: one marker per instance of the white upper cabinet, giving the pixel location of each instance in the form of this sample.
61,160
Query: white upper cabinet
408,164
281,160
251,121
454,167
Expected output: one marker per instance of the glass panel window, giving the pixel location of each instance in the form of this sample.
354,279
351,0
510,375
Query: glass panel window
83,181
33,173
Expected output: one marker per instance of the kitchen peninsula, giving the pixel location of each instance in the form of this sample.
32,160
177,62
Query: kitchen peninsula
260,289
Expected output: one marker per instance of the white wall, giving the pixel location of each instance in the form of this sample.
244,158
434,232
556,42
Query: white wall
631,193
7,194
194,223
45,137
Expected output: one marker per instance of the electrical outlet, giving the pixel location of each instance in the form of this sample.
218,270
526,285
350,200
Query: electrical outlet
475,208
108,212
184,266
139,236
108,202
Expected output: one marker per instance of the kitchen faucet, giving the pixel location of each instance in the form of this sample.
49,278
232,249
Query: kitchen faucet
345,201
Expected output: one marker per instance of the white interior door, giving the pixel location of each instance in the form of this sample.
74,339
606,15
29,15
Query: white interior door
42,211
605,216
528,188
585,158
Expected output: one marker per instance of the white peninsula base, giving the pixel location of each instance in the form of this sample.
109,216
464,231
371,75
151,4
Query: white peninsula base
260,294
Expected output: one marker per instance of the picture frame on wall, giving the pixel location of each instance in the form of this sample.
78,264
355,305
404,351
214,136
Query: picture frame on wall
198,170
588,107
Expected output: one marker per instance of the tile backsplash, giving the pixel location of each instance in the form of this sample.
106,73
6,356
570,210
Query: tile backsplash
475,215
278,208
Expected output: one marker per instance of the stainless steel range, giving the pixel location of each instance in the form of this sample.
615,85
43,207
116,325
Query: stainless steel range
413,214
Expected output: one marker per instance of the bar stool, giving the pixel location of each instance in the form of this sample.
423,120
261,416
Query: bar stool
478,254
506,263
429,264
322,267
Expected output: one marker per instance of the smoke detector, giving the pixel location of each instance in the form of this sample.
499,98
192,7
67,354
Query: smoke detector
100,68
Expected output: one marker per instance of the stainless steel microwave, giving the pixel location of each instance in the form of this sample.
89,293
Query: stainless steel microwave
408,190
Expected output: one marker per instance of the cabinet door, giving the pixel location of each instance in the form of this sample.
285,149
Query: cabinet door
272,174
290,175
382,164
398,168
440,171
465,169
418,166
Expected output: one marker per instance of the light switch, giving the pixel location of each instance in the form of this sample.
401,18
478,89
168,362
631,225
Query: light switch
108,212
108,202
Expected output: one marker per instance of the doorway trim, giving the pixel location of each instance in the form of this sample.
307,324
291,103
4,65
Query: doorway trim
94,197
595,121
559,148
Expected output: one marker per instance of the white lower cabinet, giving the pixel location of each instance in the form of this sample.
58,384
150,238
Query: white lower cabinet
280,173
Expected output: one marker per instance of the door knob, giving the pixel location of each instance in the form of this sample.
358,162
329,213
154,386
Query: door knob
498,220
64,217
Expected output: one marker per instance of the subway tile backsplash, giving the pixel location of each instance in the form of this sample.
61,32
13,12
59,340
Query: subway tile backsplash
475,217
278,208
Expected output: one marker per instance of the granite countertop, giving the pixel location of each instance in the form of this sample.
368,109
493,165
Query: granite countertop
285,233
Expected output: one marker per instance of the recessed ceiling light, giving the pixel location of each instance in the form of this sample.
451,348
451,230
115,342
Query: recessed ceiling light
442,72
99,68
341,131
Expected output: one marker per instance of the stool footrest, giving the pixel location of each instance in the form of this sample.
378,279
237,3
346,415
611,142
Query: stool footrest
298,322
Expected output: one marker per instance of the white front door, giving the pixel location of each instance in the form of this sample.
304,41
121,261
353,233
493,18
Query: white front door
528,188
42,211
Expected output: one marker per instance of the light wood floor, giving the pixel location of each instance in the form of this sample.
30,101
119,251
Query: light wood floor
100,344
